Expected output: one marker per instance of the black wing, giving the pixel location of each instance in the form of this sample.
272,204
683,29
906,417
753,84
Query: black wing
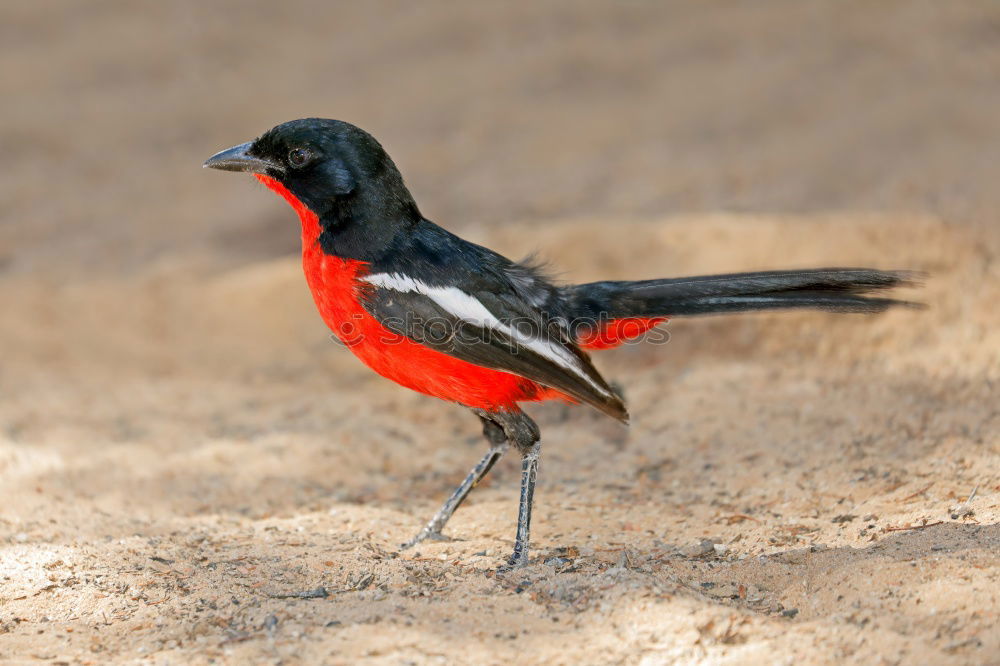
485,321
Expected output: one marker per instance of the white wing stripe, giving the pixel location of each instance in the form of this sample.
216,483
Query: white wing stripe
467,308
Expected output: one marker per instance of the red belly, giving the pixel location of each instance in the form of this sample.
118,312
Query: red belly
335,288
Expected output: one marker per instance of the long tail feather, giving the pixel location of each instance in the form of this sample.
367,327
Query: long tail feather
831,289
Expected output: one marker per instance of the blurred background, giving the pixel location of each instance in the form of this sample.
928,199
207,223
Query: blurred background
180,441
495,112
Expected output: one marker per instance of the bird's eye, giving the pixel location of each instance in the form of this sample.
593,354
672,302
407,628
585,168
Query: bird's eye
299,157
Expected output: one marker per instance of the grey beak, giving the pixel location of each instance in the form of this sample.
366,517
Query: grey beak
238,158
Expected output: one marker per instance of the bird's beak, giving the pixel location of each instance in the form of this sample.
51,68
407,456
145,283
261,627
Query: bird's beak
238,158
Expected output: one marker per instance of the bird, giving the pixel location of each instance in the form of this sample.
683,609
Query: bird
458,321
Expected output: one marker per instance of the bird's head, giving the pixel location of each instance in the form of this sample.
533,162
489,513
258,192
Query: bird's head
328,165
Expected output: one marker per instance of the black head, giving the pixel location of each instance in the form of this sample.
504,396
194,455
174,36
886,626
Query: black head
336,169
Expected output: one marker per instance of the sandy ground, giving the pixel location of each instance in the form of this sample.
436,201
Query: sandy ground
192,472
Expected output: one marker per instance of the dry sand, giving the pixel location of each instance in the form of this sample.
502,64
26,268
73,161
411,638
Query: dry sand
184,453
204,457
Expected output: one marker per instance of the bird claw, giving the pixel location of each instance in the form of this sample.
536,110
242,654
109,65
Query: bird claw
424,535
517,560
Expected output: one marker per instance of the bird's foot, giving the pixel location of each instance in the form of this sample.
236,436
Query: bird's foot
425,535
517,560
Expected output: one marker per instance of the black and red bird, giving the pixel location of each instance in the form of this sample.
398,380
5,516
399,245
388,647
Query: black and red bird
458,321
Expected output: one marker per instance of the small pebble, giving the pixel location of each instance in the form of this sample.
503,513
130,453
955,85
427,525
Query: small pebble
270,623
700,549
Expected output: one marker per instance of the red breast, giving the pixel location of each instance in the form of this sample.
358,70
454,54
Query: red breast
337,290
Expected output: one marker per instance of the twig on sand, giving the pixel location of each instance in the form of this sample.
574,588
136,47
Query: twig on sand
912,527
964,510
739,518
918,493
972,495
318,593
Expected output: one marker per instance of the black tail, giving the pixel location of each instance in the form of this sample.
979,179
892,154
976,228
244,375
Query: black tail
832,289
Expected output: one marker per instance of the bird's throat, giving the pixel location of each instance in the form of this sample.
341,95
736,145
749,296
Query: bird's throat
332,280
310,221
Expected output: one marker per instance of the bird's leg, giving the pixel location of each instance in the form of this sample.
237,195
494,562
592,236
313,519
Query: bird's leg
498,446
432,530
529,470
523,433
